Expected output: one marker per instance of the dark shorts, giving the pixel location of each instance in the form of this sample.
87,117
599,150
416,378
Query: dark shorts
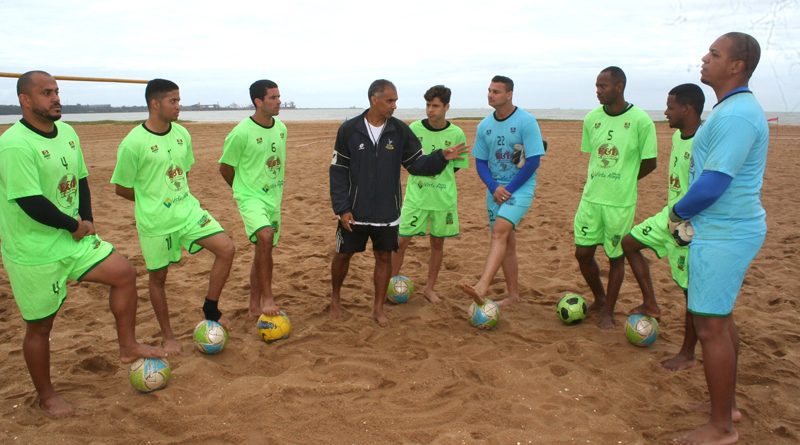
384,238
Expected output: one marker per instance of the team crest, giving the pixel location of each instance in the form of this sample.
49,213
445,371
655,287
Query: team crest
361,146
447,143
273,166
259,140
154,148
615,240
596,125
627,125
204,221
46,154
488,132
67,190
682,262
72,145
513,130
449,218
389,145
282,135
175,177
608,155
179,141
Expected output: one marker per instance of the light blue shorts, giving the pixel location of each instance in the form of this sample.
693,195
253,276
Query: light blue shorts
512,210
717,273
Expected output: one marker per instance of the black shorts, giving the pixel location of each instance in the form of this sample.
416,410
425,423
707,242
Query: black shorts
384,238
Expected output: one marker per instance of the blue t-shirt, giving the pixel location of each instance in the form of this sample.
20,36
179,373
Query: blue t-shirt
495,141
733,141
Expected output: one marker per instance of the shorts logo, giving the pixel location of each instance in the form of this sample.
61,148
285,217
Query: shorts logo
259,140
67,190
179,141
627,125
389,145
46,154
449,218
682,262
175,177
204,221
608,155
615,240
334,158
596,125
154,148
95,243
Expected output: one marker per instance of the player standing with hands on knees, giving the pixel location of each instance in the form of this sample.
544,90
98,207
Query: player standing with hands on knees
729,156
365,188
48,233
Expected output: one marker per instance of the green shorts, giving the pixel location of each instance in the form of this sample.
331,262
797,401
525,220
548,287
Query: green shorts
40,290
654,234
418,222
256,215
160,251
597,224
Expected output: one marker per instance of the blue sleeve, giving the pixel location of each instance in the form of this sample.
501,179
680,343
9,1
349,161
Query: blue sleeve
525,173
482,166
703,192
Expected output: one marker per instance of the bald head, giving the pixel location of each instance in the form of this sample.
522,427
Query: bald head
27,80
745,48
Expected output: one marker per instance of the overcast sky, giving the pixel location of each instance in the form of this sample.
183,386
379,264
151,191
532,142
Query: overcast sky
325,53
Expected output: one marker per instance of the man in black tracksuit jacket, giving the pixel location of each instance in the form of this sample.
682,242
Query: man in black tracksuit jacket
365,188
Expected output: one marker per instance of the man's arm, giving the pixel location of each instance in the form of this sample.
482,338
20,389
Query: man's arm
339,174
125,192
227,172
646,167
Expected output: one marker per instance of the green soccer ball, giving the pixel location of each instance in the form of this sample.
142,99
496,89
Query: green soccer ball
571,309
400,289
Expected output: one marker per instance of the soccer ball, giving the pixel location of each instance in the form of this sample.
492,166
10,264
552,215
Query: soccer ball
274,327
641,330
484,316
400,289
210,337
149,374
571,308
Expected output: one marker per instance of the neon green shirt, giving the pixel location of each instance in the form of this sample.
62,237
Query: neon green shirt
436,192
680,158
617,145
258,155
33,164
156,167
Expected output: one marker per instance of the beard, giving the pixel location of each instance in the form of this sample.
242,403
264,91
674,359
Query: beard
49,114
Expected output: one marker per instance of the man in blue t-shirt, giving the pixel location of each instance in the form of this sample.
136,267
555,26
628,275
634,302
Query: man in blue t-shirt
729,157
508,145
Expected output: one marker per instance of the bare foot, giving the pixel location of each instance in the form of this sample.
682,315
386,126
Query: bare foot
679,362
606,321
650,311
380,318
171,346
268,307
508,301
129,354
596,306
56,407
469,290
709,435
430,294
254,310
736,415
335,311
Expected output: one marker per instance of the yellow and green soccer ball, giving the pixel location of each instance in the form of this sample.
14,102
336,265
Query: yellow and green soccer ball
571,308
149,374
641,330
400,289
484,316
274,327
210,337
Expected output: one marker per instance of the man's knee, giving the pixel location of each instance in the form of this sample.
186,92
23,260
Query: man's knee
630,245
584,254
708,328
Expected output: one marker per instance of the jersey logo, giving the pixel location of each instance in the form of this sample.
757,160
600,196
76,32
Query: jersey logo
488,132
46,154
596,125
627,125
282,135
259,140
179,141
175,177
67,190
361,146
204,221
72,145
273,166
608,155
154,148
446,143
389,145
513,130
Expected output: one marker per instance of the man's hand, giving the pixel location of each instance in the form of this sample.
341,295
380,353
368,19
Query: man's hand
681,229
454,152
84,228
501,195
347,221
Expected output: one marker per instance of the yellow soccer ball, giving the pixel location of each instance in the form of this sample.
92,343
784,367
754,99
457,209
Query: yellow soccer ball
274,327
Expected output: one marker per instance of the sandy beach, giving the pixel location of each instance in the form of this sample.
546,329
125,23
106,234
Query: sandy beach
430,377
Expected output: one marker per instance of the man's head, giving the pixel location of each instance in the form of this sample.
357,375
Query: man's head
610,85
163,99
437,102
382,98
501,92
37,92
734,55
266,97
685,100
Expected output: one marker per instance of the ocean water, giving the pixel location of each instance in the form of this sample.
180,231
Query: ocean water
341,114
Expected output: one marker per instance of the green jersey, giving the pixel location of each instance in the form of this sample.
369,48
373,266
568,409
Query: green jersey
258,155
155,166
33,163
680,158
436,192
617,145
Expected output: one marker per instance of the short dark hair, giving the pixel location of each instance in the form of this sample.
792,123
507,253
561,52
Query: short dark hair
26,80
378,86
505,81
745,48
691,95
440,91
259,89
156,88
616,74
